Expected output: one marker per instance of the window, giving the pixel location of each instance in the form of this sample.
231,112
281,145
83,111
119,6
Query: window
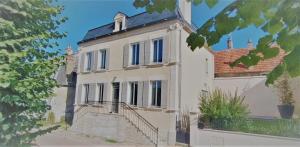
86,92
156,93
101,90
120,26
102,59
157,50
135,54
89,61
133,93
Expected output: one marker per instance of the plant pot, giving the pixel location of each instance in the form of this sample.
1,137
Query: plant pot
286,110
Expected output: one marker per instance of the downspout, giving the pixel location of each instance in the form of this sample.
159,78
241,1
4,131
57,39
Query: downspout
180,70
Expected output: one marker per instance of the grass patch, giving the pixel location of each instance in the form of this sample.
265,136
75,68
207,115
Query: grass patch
111,140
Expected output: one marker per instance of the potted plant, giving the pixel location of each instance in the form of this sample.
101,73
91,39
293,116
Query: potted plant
286,108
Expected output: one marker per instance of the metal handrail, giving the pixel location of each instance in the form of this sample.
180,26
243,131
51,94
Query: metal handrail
147,129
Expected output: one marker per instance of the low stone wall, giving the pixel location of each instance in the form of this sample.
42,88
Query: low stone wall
209,137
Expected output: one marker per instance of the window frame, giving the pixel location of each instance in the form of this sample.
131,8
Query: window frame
134,54
100,87
156,51
86,93
102,62
133,93
88,62
156,87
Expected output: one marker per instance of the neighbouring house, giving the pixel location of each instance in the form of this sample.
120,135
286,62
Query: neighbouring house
250,82
62,103
144,61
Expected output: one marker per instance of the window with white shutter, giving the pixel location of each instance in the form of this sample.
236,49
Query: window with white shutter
157,50
102,59
156,93
100,92
86,92
135,54
133,93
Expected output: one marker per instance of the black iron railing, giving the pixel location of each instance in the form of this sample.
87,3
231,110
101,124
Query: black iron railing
121,108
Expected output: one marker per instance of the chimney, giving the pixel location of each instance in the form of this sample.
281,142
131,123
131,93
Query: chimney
250,44
185,7
69,60
229,43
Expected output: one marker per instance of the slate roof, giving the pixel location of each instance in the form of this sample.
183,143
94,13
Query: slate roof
225,57
132,22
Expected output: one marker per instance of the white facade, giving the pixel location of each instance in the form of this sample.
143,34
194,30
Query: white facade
183,74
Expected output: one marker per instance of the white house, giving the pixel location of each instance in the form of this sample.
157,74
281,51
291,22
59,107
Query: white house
144,61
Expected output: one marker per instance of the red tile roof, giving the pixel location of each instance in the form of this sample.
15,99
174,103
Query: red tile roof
225,57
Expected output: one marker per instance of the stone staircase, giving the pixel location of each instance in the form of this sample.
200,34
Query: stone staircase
99,121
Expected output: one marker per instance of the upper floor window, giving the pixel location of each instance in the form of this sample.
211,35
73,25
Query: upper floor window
133,93
102,59
135,54
88,61
156,93
157,50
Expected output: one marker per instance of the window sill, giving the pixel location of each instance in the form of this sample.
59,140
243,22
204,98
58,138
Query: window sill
155,65
153,108
101,70
132,67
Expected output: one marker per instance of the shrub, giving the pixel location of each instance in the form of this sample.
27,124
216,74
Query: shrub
222,110
285,92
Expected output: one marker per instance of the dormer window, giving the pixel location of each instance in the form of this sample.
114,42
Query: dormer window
120,22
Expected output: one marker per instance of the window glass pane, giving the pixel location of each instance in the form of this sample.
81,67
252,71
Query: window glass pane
135,93
102,59
160,51
158,96
101,86
89,61
137,54
153,93
86,92
155,51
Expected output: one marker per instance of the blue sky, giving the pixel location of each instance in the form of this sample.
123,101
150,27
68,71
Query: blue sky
87,14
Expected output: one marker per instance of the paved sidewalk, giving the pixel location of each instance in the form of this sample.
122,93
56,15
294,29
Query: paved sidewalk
67,138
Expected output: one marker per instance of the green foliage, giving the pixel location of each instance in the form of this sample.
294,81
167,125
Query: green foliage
221,110
278,18
27,28
51,118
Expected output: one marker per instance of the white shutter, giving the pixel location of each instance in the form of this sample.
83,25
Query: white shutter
96,62
142,53
140,94
124,92
105,92
146,93
107,59
126,55
166,49
92,92
164,93
147,52
82,62
79,94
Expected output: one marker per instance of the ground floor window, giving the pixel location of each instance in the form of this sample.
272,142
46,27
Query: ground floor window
86,92
101,90
156,93
133,93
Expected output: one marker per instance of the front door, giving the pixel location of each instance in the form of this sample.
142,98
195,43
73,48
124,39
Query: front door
115,97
